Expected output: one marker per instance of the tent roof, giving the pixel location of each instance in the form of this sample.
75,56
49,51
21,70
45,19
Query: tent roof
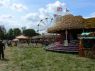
15,39
44,36
21,37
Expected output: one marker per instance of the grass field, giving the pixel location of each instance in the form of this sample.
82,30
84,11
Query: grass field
37,59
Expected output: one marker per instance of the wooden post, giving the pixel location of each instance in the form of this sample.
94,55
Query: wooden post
81,49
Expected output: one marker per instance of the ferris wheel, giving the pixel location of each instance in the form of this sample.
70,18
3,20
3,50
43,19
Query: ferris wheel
44,24
47,22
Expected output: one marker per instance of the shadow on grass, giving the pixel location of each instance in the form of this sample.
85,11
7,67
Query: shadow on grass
5,59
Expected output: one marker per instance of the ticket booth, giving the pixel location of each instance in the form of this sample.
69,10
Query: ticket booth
87,46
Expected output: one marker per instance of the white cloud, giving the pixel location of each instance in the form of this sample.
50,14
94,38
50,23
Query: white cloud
7,21
2,3
52,7
5,3
14,6
90,15
18,7
93,14
31,17
47,12
43,13
4,17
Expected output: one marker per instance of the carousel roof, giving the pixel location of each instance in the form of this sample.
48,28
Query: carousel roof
71,22
67,22
90,23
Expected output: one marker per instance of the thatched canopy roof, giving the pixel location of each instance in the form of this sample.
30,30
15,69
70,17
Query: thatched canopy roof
89,23
67,22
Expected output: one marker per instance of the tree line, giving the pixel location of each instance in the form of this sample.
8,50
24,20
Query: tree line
12,33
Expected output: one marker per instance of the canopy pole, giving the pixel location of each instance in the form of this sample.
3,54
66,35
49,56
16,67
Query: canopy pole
66,32
66,40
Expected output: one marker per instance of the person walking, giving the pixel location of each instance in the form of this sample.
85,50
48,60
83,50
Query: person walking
2,48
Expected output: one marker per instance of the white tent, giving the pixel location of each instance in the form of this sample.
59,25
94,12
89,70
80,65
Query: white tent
22,37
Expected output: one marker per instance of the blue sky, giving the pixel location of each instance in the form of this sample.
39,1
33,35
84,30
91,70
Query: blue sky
19,13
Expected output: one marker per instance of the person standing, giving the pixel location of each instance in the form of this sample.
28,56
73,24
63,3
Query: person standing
2,48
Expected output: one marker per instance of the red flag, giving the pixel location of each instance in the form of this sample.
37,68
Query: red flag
59,8
55,15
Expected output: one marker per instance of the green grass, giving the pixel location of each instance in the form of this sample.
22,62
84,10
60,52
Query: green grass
37,59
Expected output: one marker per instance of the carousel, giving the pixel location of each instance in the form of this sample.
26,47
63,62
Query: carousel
69,27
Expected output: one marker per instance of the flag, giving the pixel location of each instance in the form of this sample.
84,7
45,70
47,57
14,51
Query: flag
55,15
59,9
67,10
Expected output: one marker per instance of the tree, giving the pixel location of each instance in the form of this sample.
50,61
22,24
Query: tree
2,32
10,34
29,32
23,28
16,31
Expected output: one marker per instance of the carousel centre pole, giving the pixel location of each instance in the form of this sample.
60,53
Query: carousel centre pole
66,40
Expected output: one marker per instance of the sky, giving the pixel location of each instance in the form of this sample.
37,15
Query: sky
28,13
